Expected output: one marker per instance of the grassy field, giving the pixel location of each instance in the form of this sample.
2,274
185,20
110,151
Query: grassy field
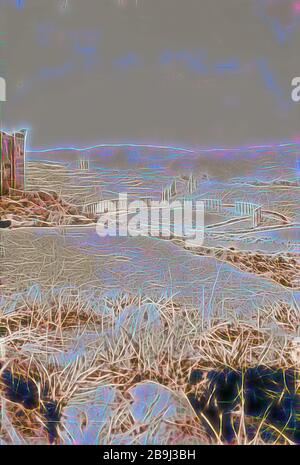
59,351
144,341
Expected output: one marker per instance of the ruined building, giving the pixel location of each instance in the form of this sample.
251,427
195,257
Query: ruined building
12,161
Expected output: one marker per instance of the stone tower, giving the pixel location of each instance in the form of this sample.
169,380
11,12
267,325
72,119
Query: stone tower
12,161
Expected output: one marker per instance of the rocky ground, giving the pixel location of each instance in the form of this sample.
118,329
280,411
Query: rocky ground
283,268
42,209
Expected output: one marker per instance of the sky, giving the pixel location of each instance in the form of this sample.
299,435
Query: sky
194,73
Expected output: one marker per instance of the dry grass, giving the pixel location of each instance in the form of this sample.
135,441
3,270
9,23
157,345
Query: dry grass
285,316
127,341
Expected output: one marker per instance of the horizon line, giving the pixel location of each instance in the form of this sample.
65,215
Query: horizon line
110,145
163,147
